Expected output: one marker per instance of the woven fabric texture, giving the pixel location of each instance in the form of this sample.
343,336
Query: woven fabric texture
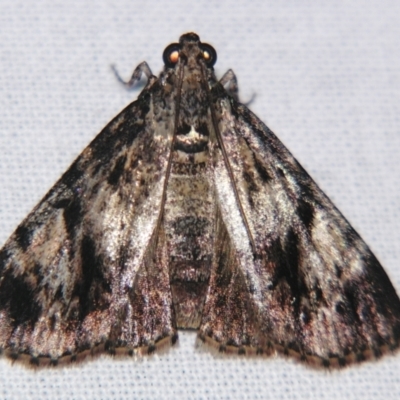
326,79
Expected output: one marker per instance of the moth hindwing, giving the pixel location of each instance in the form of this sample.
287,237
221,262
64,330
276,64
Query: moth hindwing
186,211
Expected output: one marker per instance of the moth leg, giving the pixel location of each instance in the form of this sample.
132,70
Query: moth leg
142,69
229,81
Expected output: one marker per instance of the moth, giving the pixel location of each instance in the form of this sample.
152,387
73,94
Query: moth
186,211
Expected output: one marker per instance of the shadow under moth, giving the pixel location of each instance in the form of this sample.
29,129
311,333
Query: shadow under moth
186,211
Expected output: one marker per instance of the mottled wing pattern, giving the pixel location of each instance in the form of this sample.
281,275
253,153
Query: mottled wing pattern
314,287
227,234
85,268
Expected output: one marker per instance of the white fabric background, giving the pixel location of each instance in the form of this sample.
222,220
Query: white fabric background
327,80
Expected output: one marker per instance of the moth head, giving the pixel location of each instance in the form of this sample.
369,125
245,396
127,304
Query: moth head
189,42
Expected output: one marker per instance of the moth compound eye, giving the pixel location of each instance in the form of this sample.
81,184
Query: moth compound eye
171,55
209,54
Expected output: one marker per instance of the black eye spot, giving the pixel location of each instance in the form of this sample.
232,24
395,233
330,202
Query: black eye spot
209,54
171,55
